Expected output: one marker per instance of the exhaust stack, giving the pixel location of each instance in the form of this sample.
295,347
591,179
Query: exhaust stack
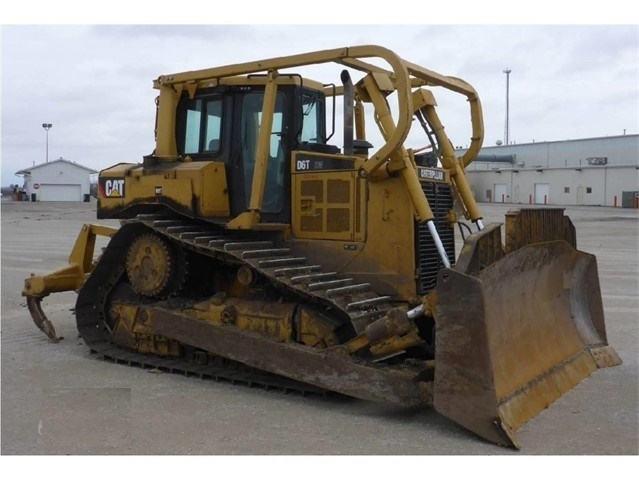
349,100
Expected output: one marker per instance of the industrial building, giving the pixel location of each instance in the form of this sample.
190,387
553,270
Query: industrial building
600,171
58,180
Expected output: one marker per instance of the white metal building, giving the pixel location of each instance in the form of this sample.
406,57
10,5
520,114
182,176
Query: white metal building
590,171
58,180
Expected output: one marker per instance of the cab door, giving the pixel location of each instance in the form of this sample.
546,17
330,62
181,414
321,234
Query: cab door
276,201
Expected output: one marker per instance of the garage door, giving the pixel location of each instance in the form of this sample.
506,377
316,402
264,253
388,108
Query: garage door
49,192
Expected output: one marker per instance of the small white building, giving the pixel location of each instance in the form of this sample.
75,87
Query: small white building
58,180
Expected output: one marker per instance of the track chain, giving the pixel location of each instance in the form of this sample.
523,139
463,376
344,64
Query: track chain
356,301
296,274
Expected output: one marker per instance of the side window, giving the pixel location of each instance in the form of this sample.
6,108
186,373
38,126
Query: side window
311,112
193,121
203,126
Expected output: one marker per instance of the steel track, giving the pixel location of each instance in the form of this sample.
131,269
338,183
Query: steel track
292,274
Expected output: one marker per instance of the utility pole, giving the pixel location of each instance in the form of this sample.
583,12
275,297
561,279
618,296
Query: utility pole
507,127
47,127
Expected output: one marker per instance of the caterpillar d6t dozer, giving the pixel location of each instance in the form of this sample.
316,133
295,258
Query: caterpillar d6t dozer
253,249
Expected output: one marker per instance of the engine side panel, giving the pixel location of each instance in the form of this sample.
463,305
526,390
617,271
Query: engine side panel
195,189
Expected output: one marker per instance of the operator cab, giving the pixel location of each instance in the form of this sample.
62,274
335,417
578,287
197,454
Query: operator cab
222,124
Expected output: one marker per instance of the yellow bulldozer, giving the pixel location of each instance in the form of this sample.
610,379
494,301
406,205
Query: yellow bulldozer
250,248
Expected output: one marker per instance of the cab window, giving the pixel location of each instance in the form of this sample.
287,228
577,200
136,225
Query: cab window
311,120
203,126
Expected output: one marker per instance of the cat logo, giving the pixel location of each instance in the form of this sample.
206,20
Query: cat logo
112,187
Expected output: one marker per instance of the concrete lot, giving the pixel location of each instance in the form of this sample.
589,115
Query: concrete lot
59,399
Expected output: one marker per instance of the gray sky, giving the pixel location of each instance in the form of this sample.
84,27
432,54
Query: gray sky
94,83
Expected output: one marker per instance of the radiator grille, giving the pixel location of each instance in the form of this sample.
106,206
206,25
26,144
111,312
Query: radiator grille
338,191
313,223
313,188
428,261
338,220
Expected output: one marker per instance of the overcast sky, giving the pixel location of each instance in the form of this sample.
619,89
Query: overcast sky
94,83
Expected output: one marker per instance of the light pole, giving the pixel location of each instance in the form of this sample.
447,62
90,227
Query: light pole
47,127
507,128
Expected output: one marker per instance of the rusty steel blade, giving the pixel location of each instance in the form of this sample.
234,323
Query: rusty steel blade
517,336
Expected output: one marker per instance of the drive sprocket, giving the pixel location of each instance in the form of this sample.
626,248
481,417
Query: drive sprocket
154,267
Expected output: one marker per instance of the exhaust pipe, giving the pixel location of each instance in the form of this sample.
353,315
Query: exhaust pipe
349,100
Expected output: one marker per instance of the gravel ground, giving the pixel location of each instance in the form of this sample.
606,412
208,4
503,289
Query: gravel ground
58,399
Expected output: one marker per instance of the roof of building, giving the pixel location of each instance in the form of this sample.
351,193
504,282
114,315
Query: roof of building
634,136
59,160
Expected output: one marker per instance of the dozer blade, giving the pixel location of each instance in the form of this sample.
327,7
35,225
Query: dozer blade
517,335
